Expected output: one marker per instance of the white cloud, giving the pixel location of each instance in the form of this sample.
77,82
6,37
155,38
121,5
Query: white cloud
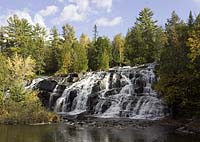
105,22
83,5
70,13
23,14
106,4
50,10
78,10
40,20
61,0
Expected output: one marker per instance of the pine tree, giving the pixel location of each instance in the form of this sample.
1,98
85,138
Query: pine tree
118,49
84,40
176,74
190,20
95,31
101,54
79,58
69,33
52,52
141,44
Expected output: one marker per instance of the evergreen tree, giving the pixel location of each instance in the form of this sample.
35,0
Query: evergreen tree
84,40
79,58
38,47
101,54
194,41
142,40
69,33
95,31
178,81
3,74
118,49
65,60
190,20
52,52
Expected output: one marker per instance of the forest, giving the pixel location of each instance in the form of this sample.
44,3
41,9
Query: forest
28,51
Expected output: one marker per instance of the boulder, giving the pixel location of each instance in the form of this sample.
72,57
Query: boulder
69,100
105,106
113,91
44,97
96,88
47,85
140,83
92,102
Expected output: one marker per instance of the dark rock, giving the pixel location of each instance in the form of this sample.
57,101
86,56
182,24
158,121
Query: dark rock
69,100
79,117
60,89
72,77
124,105
47,85
140,83
117,82
110,80
131,75
92,102
112,92
105,106
96,88
44,97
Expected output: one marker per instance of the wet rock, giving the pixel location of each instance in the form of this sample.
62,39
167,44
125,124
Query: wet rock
96,88
79,117
47,85
116,81
44,97
69,100
60,89
72,77
140,83
53,99
131,75
92,102
105,106
112,92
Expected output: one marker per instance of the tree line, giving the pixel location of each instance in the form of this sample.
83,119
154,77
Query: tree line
175,48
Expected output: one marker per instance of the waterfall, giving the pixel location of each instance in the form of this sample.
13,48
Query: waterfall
119,92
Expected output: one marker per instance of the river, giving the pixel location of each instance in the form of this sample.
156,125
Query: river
65,133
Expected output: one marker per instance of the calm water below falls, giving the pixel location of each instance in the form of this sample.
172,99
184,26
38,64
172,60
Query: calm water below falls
64,133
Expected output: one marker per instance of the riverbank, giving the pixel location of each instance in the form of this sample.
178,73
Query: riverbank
182,126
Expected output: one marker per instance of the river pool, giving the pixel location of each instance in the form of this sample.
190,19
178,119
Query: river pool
66,133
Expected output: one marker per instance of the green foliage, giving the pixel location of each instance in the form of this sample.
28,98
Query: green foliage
79,58
144,40
179,78
65,59
118,49
20,69
69,33
52,52
84,40
24,39
3,73
18,105
26,51
100,54
28,110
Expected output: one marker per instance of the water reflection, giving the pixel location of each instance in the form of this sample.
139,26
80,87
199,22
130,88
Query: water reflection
64,133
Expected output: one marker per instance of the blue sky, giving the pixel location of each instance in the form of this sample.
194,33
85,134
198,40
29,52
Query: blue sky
111,16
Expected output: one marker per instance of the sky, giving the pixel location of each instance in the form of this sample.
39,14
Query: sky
110,16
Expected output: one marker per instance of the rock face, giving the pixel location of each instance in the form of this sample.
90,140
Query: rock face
120,92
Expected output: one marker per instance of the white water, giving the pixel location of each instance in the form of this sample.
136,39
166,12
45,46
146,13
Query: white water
126,102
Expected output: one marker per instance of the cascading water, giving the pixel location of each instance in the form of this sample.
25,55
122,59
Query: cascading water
120,92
